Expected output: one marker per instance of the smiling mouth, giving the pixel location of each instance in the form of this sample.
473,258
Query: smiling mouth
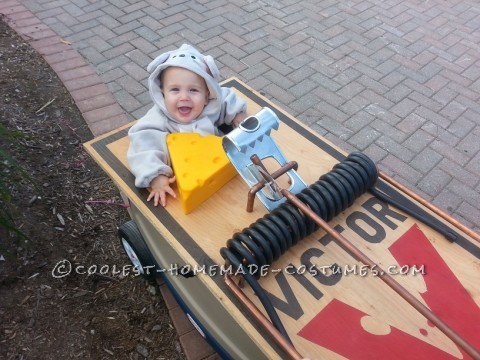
184,110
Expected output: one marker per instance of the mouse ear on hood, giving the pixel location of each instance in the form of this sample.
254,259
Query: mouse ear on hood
160,59
212,67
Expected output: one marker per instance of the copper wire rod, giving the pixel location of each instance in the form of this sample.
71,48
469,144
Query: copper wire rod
389,280
430,206
261,184
258,315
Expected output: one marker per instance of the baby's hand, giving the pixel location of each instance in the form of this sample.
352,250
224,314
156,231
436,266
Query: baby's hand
160,186
238,119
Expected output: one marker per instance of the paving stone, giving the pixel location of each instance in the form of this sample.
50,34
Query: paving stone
134,88
129,103
351,89
432,116
172,19
41,43
394,148
98,43
138,113
304,103
392,79
194,346
379,104
135,71
411,123
82,82
15,16
469,212
27,21
89,7
68,20
461,127
365,137
142,44
254,58
398,166
393,133
426,160
76,73
472,107
253,72
73,10
53,48
398,93
453,110
105,125
418,140
96,102
112,75
359,120
278,79
449,152
468,194
470,144
302,87
459,172
375,152
232,63
109,19
180,321
279,93
88,92
91,15
9,7
404,108
331,111
130,16
118,50
144,98
114,63
93,56
474,165
67,65
335,127
333,99
338,141
447,200
31,29
106,112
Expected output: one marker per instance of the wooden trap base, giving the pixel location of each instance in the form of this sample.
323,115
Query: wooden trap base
349,313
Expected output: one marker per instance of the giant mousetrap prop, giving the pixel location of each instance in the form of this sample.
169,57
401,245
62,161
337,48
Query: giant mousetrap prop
332,260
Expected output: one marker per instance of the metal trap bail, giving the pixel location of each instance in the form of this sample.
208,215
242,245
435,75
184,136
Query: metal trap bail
251,139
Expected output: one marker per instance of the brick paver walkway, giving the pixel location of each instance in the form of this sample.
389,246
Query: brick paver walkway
399,81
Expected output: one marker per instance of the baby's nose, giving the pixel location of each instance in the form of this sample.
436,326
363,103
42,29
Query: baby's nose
184,94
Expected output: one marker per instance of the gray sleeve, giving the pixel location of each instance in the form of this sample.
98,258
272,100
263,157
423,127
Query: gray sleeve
147,153
231,106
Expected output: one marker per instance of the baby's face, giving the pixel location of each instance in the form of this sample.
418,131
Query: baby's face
185,93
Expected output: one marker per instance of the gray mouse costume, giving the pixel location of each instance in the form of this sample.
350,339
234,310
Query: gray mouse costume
147,154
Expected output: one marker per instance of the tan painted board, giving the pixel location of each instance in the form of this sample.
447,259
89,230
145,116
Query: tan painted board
350,313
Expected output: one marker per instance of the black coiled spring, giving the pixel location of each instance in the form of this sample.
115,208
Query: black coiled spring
272,235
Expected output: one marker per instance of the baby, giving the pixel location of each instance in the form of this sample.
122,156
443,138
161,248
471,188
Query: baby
187,98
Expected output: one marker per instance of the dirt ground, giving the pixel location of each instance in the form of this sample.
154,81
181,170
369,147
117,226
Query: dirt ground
100,310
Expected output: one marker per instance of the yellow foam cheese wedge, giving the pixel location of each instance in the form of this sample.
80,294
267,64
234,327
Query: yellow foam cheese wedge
200,165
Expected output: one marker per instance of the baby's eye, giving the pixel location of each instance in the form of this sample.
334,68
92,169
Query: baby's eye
194,90
174,89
